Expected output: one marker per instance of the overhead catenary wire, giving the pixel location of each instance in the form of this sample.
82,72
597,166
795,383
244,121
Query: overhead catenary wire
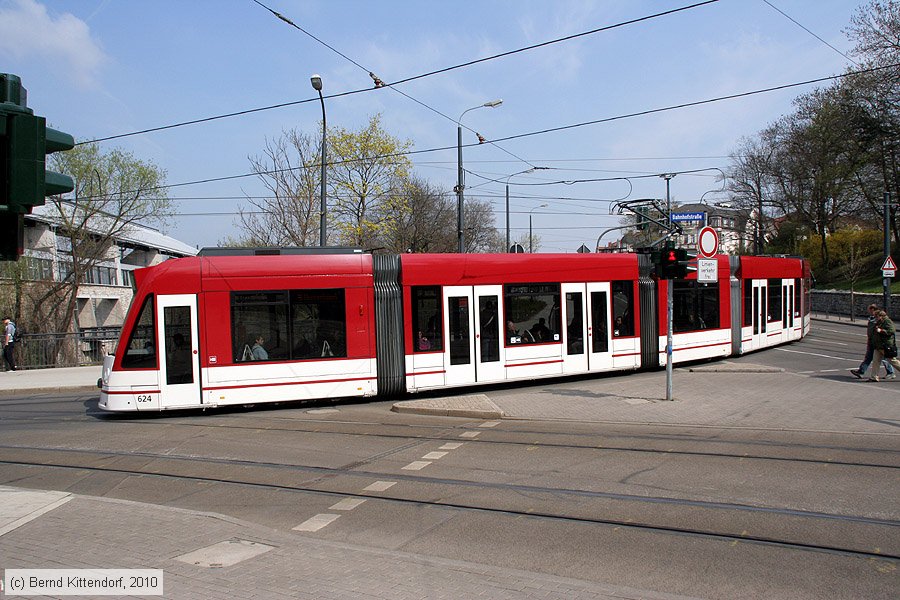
541,131
807,30
398,82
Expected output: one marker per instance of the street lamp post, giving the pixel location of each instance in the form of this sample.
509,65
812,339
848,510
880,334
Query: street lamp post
530,238
461,247
316,81
531,170
669,300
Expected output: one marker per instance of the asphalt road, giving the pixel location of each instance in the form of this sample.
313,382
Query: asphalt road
704,512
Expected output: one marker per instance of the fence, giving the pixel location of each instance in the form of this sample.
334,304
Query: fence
44,350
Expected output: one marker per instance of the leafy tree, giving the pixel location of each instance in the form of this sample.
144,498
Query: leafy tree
114,192
367,179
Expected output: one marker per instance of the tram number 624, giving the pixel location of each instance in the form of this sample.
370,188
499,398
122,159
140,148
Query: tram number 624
144,398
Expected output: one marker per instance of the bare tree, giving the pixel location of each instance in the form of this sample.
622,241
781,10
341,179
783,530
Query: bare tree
289,169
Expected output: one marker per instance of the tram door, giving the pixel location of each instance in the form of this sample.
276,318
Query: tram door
760,314
489,351
575,328
459,323
600,347
179,359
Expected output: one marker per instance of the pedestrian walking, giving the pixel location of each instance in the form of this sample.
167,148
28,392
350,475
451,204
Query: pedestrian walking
9,343
884,342
870,350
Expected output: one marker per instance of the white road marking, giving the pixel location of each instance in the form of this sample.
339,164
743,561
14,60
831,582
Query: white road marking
853,360
451,446
470,434
417,465
317,522
347,504
490,424
434,455
824,341
834,330
379,486
832,370
224,554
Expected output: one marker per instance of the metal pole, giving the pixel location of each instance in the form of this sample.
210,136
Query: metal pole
323,206
886,281
507,215
669,303
461,247
530,242
759,226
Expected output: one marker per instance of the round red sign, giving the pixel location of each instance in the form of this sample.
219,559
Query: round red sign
708,242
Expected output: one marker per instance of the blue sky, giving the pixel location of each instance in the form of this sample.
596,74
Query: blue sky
98,68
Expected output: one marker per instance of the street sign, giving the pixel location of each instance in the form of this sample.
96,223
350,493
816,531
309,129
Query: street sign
708,242
889,268
707,270
679,217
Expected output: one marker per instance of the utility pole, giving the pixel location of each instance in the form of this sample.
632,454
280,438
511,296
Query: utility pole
886,281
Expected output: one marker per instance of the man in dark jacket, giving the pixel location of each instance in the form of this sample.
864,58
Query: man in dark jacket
867,360
882,339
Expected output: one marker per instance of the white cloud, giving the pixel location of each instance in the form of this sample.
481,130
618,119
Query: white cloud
63,42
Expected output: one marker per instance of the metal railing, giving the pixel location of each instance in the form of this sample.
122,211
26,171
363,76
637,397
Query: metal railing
47,350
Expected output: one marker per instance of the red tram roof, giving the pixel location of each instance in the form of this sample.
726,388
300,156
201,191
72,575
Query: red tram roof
770,267
478,269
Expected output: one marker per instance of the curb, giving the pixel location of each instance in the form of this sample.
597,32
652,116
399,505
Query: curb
50,390
473,406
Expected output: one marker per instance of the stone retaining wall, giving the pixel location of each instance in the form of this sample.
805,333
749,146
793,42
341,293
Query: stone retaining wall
833,302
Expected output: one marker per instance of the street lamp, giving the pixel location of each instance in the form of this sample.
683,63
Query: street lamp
530,238
316,81
461,247
531,170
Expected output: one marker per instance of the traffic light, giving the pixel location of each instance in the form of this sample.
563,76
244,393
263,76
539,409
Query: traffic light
671,262
25,141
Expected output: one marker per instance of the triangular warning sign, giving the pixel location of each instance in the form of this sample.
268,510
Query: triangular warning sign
889,265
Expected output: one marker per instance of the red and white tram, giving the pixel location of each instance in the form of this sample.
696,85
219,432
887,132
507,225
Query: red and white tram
220,329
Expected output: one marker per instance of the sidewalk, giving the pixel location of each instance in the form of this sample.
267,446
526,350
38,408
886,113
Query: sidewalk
68,379
204,555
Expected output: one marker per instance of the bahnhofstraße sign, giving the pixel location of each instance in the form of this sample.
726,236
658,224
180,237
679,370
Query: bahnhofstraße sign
679,217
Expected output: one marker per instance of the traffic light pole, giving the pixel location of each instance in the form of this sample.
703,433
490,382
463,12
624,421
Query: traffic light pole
669,303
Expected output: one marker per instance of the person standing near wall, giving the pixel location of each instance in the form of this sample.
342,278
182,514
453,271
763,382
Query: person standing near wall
9,343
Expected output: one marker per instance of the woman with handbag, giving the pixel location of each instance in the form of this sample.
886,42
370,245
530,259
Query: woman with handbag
884,343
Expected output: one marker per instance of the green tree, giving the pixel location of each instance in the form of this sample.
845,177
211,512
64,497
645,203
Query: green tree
368,176
114,192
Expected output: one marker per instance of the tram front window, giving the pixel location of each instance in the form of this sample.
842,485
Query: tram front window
140,351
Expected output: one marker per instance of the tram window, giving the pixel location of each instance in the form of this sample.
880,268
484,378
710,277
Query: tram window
318,324
774,300
140,353
600,339
532,313
293,325
695,306
798,297
177,338
490,329
427,318
748,302
574,323
623,308
458,331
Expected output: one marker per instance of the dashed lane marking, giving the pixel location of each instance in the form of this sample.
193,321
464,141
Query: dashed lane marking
490,424
317,522
434,455
470,434
417,465
451,446
852,360
347,504
379,486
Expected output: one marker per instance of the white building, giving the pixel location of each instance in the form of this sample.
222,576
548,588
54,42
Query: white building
105,293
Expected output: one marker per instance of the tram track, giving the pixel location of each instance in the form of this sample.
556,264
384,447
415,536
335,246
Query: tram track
657,443
770,525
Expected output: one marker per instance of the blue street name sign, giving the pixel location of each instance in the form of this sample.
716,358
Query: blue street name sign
688,216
